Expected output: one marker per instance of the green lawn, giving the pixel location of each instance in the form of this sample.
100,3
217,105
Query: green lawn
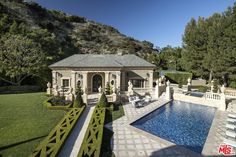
24,122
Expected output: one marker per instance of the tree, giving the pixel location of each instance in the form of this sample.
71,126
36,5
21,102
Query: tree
20,58
194,47
170,58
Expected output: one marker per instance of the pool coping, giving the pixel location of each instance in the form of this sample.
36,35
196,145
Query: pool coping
179,148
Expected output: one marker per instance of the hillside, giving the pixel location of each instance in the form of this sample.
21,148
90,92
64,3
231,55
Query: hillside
62,35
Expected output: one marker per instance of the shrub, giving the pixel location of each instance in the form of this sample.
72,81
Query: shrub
74,18
215,85
103,101
92,141
108,89
232,84
178,77
78,102
78,90
19,89
51,145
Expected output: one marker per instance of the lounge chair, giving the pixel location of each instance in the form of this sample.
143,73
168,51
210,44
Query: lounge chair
230,126
232,120
230,142
231,134
134,101
232,115
140,103
147,99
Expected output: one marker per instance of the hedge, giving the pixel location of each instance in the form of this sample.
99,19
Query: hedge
49,105
92,141
178,77
51,145
19,89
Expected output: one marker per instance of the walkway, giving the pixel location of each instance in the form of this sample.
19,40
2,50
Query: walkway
74,141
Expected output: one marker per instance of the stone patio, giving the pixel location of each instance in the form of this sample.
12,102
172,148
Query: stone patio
129,141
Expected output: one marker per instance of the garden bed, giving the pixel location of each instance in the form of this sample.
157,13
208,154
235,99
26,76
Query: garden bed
48,103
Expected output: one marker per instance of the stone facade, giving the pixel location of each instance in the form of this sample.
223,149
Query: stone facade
91,78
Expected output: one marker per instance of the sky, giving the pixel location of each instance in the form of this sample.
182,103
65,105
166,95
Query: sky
161,22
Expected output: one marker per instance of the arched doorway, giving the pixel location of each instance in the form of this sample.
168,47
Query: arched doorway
97,82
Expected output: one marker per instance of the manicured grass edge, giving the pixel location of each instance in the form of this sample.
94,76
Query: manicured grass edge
92,141
51,145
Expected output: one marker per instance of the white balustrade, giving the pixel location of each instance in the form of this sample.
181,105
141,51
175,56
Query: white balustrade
212,96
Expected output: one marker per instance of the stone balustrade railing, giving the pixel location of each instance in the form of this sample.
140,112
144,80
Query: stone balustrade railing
230,93
212,96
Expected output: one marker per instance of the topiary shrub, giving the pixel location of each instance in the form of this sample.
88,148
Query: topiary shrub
103,101
78,101
78,90
108,89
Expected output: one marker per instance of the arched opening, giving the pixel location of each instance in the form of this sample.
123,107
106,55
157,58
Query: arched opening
97,82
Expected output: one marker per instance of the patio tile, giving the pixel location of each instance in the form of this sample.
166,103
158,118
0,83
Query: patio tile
139,146
130,143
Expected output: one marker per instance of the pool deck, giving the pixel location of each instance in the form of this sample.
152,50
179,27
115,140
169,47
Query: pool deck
129,141
216,134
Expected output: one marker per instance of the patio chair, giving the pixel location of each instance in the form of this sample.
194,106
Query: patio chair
232,115
134,101
140,103
230,126
230,142
232,120
231,134
147,99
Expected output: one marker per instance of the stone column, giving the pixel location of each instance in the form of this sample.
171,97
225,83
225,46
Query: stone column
118,80
150,79
222,105
85,81
157,91
73,81
54,79
107,77
168,91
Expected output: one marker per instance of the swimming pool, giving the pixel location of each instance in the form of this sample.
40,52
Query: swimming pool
182,123
197,94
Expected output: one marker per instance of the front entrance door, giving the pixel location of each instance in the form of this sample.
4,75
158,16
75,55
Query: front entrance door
97,82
